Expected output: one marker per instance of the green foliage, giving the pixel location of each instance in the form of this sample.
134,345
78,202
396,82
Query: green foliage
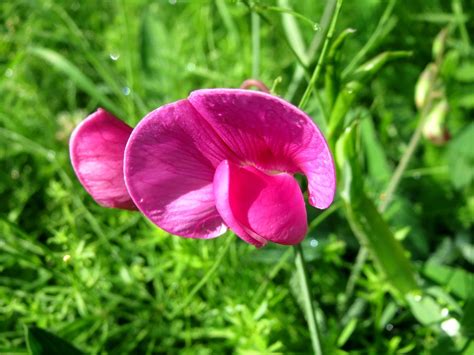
461,158
41,342
108,281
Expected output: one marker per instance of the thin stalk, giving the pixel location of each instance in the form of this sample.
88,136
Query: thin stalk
292,13
359,263
402,165
307,94
458,11
308,301
129,59
299,256
255,44
314,47
284,258
334,207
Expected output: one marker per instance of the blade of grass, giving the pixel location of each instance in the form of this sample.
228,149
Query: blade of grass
313,49
293,33
63,65
307,94
458,11
255,44
381,29
227,19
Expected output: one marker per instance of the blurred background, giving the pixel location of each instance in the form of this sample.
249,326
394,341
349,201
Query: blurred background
108,281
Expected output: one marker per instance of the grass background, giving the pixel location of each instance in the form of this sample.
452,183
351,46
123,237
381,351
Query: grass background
111,282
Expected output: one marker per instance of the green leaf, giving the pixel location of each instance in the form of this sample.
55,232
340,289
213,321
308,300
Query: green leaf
346,97
332,76
465,246
347,332
425,309
439,18
293,33
152,42
467,321
456,280
367,223
387,315
370,68
42,342
350,91
444,298
461,158
465,100
465,72
378,166
469,349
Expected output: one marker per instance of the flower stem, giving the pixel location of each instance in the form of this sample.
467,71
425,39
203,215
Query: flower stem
308,301
300,262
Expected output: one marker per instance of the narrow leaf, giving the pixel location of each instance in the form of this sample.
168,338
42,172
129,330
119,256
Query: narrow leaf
456,280
377,162
63,65
293,33
42,342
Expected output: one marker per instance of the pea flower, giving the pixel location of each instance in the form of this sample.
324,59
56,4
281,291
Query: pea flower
222,158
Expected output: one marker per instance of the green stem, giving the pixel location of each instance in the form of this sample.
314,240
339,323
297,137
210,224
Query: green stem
300,262
359,263
255,44
284,258
308,301
458,11
314,47
402,165
307,94
325,214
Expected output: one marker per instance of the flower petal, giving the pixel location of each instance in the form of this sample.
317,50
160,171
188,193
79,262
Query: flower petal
272,134
96,148
169,167
260,207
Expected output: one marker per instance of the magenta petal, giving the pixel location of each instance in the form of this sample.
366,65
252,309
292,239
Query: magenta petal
272,134
170,160
221,192
260,207
97,148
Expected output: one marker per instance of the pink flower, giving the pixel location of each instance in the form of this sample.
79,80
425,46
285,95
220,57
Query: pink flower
222,158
